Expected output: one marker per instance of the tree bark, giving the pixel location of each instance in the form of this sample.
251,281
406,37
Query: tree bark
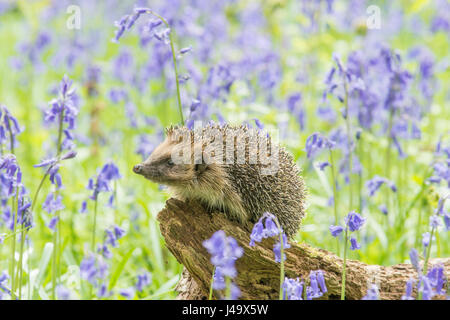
185,225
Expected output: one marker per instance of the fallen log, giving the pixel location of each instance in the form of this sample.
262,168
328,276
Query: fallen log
185,225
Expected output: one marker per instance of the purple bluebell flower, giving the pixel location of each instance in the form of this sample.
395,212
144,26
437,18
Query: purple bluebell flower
143,280
292,289
383,209
354,221
224,252
376,182
437,279
65,107
372,293
435,221
277,248
128,293
426,238
9,128
113,235
426,288
336,230
354,244
83,207
414,257
62,292
409,290
53,203
317,142
94,269
3,282
323,165
108,173
53,222
317,286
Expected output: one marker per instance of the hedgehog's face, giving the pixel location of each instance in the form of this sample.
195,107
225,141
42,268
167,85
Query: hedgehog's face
161,167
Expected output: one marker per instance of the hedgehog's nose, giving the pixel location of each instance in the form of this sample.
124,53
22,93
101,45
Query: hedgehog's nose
138,168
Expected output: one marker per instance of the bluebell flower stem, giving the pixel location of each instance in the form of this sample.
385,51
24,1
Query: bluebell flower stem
211,286
335,199
13,249
95,224
427,258
174,59
344,265
228,288
349,145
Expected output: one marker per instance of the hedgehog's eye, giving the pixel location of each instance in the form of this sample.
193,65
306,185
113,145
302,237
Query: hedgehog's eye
170,162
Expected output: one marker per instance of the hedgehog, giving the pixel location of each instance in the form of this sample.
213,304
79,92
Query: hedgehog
236,170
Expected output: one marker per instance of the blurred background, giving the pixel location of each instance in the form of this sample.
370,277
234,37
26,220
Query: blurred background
372,76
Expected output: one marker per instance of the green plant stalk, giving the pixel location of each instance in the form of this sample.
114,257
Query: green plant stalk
13,250
349,141
335,199
388,155
228,288
344,266
95,224
174,59
211,286
56,252
280,230
427,258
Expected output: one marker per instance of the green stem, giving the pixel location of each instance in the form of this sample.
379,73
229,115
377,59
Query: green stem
211,286
349,141
344,266
95,224
335,199
228,288
427,258
174,59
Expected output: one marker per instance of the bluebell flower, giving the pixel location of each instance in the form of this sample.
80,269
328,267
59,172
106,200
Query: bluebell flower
354,221
376,182
94,269
108,173
277,248
128,293
426,238
354,244
409,290
372,293
143,280
437,279
62,292
224,252
292,289
317,142
383,209
53,222
9,128
65,107
414,257
323,165
4,277
317,286
336,230
435,221
53,203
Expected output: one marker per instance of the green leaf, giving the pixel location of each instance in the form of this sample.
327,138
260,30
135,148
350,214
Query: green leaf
118,271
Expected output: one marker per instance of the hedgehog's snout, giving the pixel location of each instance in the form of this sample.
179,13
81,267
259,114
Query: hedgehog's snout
138,169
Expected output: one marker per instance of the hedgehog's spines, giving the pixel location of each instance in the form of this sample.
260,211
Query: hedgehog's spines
241,191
